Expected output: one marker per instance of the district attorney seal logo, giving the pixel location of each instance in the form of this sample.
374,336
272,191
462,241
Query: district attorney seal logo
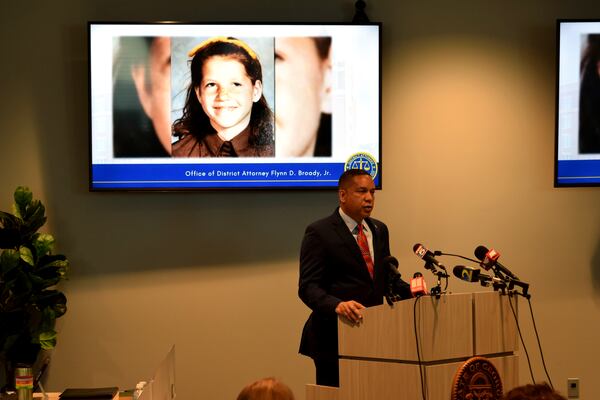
362,161
477,379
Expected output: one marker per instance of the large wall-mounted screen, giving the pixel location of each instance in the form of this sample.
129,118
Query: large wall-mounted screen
578,104
226,106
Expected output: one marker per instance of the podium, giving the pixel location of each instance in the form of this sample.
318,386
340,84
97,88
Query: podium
379,360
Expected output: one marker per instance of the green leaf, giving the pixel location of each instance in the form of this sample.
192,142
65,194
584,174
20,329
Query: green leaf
10,229
35,211
26,255
47,320
55,301
9,259
33,219
9,220
43,244
53,267
23,197
48,339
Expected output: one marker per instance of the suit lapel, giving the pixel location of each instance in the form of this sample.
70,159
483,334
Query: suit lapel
376,238
344,233
376,243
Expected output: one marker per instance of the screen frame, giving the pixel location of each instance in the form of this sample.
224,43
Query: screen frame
91,188
557,179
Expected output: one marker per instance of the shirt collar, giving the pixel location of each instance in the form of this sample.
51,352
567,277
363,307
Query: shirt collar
239,142
351,223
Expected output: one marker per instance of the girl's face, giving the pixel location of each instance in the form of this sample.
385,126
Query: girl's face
226,93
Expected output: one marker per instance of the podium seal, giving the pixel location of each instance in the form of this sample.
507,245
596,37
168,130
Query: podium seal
477,379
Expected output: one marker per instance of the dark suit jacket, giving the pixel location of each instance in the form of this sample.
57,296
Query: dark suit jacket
332,270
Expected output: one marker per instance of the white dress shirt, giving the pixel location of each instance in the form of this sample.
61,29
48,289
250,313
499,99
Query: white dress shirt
353,227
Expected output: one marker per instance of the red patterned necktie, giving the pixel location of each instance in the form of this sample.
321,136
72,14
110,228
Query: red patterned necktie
361,238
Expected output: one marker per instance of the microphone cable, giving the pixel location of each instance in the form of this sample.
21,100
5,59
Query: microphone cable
521,338
539,343
441,253
421,373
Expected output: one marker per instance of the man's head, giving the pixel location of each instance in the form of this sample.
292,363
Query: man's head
151,76
303,92
356,193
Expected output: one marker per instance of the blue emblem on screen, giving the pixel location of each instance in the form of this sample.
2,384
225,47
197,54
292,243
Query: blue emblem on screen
362,161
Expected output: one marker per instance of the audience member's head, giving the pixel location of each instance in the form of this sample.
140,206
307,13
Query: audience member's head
266,389
540,391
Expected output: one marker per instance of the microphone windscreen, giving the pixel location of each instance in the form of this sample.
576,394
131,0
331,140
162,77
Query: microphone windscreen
466,274
418,286
416,247
480,252
457,271
391,260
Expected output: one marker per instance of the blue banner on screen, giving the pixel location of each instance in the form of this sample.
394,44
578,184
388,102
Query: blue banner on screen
184,176
582,172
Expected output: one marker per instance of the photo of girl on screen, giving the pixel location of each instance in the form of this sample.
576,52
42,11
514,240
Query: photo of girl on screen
225,113
589,96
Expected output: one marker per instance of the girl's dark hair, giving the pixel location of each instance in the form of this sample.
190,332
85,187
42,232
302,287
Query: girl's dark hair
589,97
194,120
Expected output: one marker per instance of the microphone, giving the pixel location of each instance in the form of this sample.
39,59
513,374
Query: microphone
392,264
393,277
469,274
429,258
417,285
489,259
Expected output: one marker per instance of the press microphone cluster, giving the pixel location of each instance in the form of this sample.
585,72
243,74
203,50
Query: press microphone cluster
489,260
502,277
430,260
469,274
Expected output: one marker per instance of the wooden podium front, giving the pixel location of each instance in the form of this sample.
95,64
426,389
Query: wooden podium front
379,361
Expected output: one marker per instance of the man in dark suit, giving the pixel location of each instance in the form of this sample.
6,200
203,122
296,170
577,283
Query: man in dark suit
339,274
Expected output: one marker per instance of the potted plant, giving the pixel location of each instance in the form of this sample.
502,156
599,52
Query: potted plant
29,272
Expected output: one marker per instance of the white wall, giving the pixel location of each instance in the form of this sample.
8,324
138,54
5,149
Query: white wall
468,136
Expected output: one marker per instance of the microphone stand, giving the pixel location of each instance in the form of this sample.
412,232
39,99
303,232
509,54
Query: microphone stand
512,282
437,289
524,288
390,296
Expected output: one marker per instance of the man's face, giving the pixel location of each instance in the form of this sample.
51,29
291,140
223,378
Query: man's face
358,199
155,96
301,94
227,93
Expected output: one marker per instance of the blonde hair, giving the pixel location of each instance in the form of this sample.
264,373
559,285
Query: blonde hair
266,389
